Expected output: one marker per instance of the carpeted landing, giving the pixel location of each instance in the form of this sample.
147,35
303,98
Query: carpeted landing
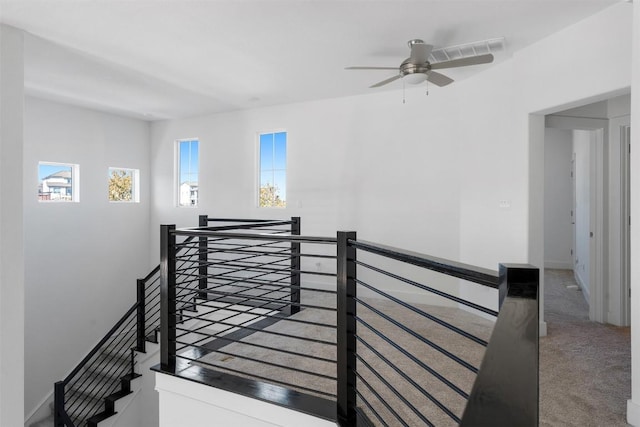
584,367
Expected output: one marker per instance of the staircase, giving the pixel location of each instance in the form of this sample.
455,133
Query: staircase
109,409
111,375
106,380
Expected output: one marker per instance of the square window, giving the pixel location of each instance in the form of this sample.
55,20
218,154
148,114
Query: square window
123,185
58,182
273,170
188,157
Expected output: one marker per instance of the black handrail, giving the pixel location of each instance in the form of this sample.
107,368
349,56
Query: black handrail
155,271
460,270
97,347
244,220
197,232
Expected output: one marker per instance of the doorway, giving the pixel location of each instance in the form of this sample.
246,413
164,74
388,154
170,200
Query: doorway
590,234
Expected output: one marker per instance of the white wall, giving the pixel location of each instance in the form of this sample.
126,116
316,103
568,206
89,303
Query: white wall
369,163
82,259
12,286
479,143
429,175
558,196
583,149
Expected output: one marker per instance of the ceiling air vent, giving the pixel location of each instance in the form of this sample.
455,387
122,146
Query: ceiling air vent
468,49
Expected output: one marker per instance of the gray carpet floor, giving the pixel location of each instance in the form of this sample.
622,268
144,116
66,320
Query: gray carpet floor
584,366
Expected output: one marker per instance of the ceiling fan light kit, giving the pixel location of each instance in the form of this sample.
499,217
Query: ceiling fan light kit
417,68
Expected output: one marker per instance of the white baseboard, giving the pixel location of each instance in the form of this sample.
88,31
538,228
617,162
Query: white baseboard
633,413
41,411
585,291
558,265
542,329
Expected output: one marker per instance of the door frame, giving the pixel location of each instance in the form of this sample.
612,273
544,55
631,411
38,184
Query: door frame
625,223
598,304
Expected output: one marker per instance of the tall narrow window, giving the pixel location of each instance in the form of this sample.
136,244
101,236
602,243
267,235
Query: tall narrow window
123,185
273,170
188,158
58,182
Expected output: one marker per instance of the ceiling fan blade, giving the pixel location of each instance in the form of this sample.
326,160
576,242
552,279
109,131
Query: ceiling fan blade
438,79
420,52
463,62
386,81
370,68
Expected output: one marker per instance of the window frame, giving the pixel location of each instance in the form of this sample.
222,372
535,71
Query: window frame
177,172
259,166
135,184
75,181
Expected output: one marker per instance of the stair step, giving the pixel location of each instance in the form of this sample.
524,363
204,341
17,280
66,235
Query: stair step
96,419
86,406
121,354
153,335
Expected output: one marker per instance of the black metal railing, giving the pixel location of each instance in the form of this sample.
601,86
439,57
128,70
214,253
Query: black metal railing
389,345
87,394
432,364
252,282
81,395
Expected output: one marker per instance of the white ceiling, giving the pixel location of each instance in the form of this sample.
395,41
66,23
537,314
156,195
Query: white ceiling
156,59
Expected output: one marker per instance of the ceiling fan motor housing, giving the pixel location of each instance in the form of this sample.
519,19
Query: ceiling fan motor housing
407,68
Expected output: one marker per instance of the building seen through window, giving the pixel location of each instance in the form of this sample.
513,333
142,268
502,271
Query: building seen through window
188,166
57,182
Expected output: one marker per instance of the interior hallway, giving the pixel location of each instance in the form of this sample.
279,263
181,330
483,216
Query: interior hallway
585,367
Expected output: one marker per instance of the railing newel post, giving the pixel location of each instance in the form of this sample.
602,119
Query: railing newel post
295,266
167,297
506,390
346,330
203,256
141,312
58,404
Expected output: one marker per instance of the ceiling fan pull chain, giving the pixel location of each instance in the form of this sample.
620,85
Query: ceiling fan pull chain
427,93
403,92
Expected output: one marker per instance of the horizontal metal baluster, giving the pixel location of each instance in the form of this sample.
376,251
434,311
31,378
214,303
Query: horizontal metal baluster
395,391
429,289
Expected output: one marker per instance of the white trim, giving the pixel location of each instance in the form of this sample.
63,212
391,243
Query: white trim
598,306
45,402
597,300
633,413
625,304
542,329
585,291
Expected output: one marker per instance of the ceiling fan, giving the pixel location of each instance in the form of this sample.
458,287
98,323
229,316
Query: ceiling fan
417,67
